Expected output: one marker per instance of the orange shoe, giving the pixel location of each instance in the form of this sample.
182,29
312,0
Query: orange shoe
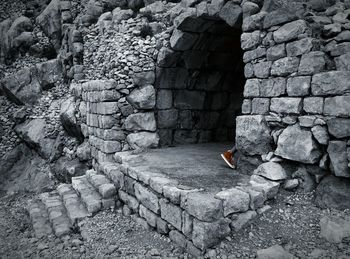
227,156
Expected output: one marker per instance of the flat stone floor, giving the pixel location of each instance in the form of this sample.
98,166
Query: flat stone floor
198,165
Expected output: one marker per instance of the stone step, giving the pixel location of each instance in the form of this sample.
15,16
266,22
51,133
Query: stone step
101,183
57,213
40,219
88,194
76,210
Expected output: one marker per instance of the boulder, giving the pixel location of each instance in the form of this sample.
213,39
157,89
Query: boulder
50,22
49,73
234,200
143,98
144,78
69,120
64,169
141,121
22,87
334,229
274,252
297,144
84,151
271,171
231,13
333,192
143,140
261,184
338,157
253,135
290,31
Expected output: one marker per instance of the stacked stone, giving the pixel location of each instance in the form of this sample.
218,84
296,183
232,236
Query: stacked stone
296,93
193,219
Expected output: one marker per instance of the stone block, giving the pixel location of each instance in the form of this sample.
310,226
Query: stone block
140,121
339,127
162,226
150,217
234,200
313,105
253,135
148,198
129,200
251,40
185,136
157,183
182,40
300,47
260,184
214,7
271,171
129,185
253,22
247,106
164,99
299,86
252,88
312,63
144,78
172,78
242,220
276,17
331,83
260,106
202,206
142,98
143,140
178,238
286,105
290,31
231,13
273,87
297,144
320,133
208,234
249,70
167,57
285,66
343,62
189,99
187,224
254,54
337,106
171,213
262,69
276,52
338,157
167,118
107,190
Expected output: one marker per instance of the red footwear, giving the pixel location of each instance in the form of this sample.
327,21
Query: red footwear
227,156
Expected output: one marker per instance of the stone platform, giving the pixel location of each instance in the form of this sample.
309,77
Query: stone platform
189,193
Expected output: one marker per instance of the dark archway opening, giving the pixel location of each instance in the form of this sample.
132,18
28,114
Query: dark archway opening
200,88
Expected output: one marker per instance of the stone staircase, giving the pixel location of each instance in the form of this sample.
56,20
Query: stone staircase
58,212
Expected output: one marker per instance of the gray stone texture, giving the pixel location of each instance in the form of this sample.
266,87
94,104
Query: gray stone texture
337,106
299,86
140,121
285,66
286,105
290,31
339,127
312,63
338,157
331,83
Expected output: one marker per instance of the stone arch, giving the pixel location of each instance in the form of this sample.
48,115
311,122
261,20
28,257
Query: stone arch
200,77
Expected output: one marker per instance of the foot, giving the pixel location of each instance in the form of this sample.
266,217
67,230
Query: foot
227,156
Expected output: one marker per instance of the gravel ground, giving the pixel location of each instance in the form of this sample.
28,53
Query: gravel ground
292,222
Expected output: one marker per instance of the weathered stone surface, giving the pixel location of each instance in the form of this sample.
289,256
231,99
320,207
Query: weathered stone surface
150,217
278,17
147,198
261,184
234,200
260,106
276,52
337,106
298,86
298,145
271,171
338,157
320,133
167,118
50,22
243,219
262,69
285,66
143,97
313,105
84,151
312,63
69,120
252,88
291,184
182,40
333,192
189,100
290,31
171,213
343,62
143,140
178,238
300,47
334,229
253,22
274,252
286,105
140,121
167,57
207,234
119,15
231,13
144,78
251,40
338,127
202,206
49,73
253,135
273,87
164,99
331,83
